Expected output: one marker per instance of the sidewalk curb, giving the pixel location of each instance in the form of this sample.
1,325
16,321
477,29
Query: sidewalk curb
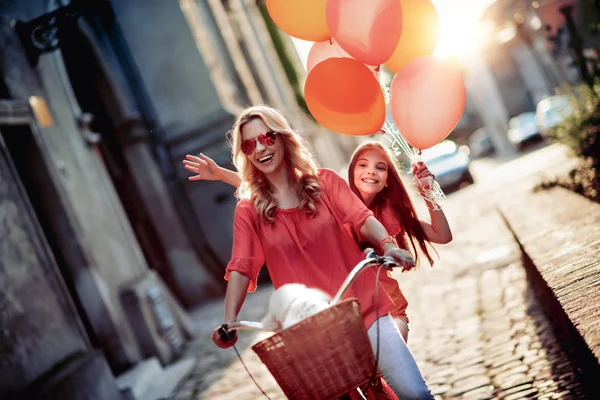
544,274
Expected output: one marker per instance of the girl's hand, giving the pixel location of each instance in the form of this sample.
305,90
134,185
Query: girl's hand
216,337
402,257
204,167
423,175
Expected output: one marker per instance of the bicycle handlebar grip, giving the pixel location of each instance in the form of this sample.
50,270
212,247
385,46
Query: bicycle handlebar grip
225,335
383,261
370,253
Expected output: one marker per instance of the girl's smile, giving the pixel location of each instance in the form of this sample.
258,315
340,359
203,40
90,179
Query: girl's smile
370,174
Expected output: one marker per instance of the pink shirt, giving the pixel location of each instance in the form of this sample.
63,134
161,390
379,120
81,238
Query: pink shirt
390,221
317,252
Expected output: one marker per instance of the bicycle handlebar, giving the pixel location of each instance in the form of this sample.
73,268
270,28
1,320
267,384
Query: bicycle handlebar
371,259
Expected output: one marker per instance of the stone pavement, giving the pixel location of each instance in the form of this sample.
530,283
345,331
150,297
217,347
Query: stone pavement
477,332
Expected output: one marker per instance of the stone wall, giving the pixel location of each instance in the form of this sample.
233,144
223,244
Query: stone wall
39,325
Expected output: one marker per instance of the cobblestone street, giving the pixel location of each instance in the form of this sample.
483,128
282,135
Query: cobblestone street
477,332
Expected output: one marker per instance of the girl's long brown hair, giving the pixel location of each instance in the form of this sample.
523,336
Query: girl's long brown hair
396,195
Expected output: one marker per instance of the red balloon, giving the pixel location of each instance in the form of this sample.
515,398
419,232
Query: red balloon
427,99
343,95
368,30
321,51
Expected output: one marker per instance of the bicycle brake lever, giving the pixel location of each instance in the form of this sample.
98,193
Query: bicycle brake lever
388,263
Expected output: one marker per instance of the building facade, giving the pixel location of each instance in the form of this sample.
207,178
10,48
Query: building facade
99,103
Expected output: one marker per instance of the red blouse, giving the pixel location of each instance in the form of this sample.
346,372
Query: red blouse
317,251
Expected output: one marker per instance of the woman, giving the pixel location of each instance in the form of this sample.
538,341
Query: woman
291,216
373,176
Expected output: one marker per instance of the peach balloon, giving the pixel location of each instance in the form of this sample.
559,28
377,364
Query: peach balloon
427,99
368,30
303,19
321,51
343,95
420,33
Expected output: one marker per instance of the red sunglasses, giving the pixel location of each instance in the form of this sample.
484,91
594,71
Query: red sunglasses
265,138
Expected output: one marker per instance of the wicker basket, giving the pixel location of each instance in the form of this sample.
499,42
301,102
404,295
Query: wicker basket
322,357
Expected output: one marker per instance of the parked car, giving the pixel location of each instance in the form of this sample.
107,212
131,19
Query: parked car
449,165
524,130
480,143
551,111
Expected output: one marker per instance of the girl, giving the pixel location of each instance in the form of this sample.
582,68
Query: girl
291,216
373,176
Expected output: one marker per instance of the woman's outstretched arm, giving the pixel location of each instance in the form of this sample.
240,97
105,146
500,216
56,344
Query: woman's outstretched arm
206,169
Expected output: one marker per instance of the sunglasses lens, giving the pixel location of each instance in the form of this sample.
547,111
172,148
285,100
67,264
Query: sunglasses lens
267,138
248,146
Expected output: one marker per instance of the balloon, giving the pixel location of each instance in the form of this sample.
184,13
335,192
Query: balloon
367,29
420,33
321,51
427,99
344,96
303,19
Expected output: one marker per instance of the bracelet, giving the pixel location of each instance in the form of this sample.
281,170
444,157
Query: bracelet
387,240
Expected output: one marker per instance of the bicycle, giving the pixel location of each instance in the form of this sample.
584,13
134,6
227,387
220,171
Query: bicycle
340,364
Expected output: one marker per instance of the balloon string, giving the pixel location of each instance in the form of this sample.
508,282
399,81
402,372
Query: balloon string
431,191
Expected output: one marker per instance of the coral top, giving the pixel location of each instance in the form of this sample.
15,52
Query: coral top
317,252
391,223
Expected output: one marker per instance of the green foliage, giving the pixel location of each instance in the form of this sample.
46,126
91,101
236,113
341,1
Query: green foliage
284,57
581,130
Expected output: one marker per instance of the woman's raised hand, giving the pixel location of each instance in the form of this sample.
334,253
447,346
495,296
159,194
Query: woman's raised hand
204,167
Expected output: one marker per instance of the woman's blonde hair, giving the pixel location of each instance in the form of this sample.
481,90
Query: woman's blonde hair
300,161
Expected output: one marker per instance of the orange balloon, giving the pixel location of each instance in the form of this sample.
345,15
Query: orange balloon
321,51
420,33
427,99
367,29
344,96
303,19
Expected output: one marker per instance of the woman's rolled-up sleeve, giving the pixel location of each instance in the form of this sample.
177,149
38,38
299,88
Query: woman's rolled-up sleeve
247,255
